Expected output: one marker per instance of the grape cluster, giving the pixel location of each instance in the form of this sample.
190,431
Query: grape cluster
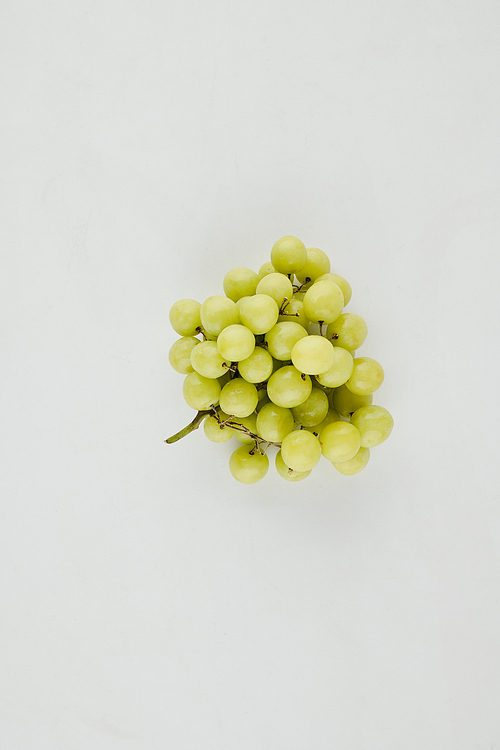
276,367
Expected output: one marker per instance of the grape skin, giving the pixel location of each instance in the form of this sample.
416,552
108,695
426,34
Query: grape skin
288,255
340,441
346,402
294,312
340,371
206,360
332,416
374,423
313,410
367,376
179,355
247,468
349,331
301,450
317,264
288,387
276,285
184,317
355,464
274,422
289,474
323,302
259,313
240,282
215,432
218,312
235,342
257,367
266,269
282,338
200,393
341,282
313,355
238,398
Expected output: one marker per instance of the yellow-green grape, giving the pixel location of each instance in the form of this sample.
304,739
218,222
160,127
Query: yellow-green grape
288,387
300,450
313,410
313,355
215,431
282,338
235,342
250,424
224,379
323,302
331,416
288,255
179,355
374,424
276,285
206,360
266,269
340,441
240,301
317,264
367,376
184,317
349,331
355,464
340,371
289,474
341,282
238,397
294,313
299,295
263,399
248,465
240,282
346,403
259,313
257,367
200,393
274,422
217,313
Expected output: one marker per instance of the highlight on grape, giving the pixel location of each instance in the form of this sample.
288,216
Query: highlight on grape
272,363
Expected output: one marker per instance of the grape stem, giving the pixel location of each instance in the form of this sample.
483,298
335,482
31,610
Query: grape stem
298,288
200,330
190,427
320,323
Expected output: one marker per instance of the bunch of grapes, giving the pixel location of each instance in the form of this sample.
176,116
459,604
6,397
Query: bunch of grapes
275,366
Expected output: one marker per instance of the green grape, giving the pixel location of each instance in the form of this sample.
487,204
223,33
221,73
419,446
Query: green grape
349,331
299,295
179,355
215,431
313,410
317,264
250,424
206,360
238,398
184,317
300,450
313,355
282,338
341,282
367,376
240,282
224,379
263,399
259,313
323,302
346,403
331,416
276,285
235,342
340,441
274,422
200,393
217,313
374,424
288,387
288,255
289,474
246,467
257,367
266,269
240,301
355,464
294,313
340,371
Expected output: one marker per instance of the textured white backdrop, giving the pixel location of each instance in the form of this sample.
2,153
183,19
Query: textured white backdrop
147,600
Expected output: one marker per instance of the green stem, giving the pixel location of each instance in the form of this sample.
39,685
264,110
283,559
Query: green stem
190,427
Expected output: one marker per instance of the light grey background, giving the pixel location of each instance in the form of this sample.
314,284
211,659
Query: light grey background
147,600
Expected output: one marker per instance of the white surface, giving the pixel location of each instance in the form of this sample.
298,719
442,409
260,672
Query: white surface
148,601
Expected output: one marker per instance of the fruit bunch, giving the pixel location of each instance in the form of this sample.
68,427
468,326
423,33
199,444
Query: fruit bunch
275,366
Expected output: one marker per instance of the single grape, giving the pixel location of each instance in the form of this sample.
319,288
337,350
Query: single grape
340,441
235,342
276,285
259,313
349,331
266,269
300,450
200,393
346,402
206,360
331,416
215,431
355,464
323,302
257,367
313,355
282,338
374,424
248,423
288,255
217,313
340,371
294,313
274,422
288,387
317,264
240,282
184,317
247,465
313,410
238,398
341,282
367,376
289,474
240,301
179,355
